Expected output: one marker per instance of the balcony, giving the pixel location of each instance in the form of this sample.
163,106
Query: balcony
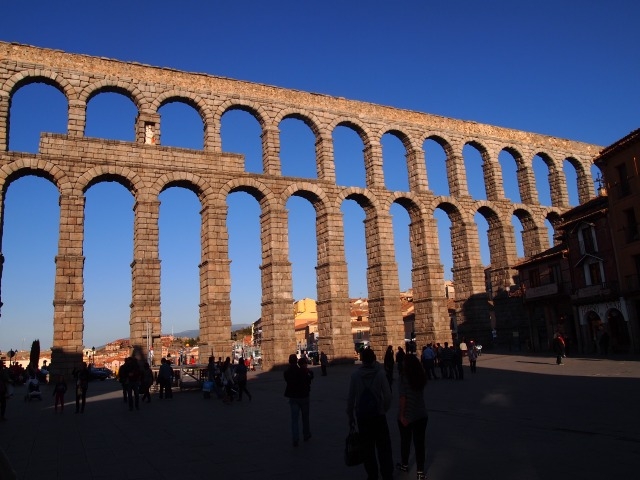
542,291
606,289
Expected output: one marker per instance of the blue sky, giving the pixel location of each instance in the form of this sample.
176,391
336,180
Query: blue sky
568,69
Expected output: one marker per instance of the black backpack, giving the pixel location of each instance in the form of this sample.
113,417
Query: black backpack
367,405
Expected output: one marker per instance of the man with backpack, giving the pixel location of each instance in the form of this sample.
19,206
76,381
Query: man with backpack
368,401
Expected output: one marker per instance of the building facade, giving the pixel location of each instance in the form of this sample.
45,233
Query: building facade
620,167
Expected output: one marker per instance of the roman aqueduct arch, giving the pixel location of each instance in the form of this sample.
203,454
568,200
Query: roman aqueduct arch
74,162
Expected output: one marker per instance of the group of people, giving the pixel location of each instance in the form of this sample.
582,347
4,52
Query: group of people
447,358
228,379
368,401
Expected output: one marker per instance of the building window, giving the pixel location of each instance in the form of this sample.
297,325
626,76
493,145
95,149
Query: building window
623,180
534,278
554,273
594,273
587,243
631,225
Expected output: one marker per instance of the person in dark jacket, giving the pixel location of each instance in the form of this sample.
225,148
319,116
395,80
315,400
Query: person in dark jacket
81,376
412,415
241,379
368,401
389,363
297,391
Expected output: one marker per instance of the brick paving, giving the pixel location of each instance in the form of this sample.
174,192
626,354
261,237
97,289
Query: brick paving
520,417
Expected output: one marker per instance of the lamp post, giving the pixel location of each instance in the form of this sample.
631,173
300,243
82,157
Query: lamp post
93,355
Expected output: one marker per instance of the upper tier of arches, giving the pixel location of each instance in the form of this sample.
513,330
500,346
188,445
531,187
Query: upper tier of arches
371,123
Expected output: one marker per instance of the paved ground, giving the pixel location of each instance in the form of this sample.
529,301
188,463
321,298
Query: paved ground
520,417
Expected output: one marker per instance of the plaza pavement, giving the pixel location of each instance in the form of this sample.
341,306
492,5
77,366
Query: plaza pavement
520,417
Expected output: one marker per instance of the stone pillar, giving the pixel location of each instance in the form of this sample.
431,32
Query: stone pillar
385,310
492,179
2,198
468,276
212,139
432,323
417,170
5,103
373,165
456,175
278,332
585,185
558,188
271,150
68,296
325,165
215,284
145,271
502,245
527,183
77,118
534,239
334,316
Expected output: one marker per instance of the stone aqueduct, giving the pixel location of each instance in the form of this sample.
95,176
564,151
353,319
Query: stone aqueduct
74,162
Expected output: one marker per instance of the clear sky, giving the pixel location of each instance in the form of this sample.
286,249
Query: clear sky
566,68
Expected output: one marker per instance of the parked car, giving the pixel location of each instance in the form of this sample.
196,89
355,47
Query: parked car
99,373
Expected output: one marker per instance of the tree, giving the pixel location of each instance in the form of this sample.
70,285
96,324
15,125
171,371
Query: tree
34,356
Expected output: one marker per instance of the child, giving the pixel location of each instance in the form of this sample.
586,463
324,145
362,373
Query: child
58,392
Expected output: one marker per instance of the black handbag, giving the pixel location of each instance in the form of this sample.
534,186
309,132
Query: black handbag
353,448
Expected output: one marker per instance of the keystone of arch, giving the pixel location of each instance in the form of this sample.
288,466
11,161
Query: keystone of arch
309,191
441,139
256,110
362,196
253,187
29,166
309,119
363,131
119,86
195,183
408,200
397,131
198,103
26,77
130,179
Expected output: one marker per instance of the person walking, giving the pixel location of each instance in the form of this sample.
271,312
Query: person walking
559,347
457,363
59,389
241,379
446,362
147,381
412,415
227,380
368,401
82,385
473,356
165,378
389,363
5,381
121,380
132,375
400,354
324,362
429,360
297,391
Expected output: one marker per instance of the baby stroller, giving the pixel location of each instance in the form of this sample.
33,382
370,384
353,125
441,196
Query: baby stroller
33,390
